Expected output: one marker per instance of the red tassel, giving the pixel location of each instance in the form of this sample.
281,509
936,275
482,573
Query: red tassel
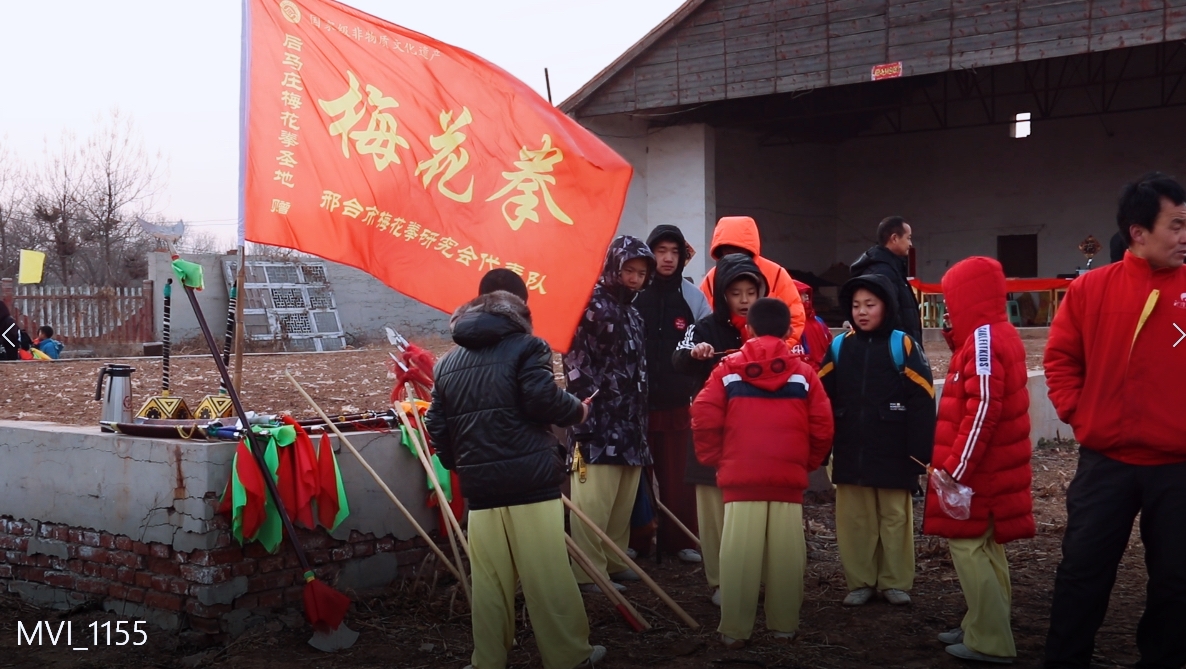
325,608
327,480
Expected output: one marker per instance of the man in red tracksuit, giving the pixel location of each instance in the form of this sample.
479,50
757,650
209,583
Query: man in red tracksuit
1115,365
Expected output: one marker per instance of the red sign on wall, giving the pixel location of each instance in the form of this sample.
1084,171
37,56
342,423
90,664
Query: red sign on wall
887,71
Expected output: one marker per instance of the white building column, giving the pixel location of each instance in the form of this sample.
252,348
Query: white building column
681,187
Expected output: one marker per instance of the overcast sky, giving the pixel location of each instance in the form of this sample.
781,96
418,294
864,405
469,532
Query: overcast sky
174,66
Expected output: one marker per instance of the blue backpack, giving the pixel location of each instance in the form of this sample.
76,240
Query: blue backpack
896,343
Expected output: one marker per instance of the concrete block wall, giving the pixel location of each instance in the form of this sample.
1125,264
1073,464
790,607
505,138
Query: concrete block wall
132,523
365,305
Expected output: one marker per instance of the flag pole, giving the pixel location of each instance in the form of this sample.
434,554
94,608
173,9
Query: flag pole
244,91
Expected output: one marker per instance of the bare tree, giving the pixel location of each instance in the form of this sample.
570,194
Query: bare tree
11,202
121,180
196,241
57,187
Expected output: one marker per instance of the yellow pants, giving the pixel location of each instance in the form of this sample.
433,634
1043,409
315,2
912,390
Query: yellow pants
875,534
710,516
607,498
762,543
984,577
525,544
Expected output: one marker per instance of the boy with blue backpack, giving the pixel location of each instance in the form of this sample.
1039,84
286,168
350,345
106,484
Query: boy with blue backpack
883,402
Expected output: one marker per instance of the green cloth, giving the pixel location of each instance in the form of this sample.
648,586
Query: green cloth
190,273
441,472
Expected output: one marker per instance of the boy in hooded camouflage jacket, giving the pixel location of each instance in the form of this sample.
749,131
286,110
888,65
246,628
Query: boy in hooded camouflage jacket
609,450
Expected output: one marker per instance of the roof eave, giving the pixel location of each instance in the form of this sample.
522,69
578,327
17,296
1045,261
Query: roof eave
578,99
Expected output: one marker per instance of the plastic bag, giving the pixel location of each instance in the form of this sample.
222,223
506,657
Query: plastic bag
955,498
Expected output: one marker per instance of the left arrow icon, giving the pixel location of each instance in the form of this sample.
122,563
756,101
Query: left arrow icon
6,331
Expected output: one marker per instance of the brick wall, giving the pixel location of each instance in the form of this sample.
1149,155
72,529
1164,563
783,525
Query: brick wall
60,566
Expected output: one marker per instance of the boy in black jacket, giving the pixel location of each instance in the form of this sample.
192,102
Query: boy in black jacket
737,284
883,400
492,407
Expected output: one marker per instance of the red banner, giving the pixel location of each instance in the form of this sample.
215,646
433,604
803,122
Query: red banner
420,163
1011,285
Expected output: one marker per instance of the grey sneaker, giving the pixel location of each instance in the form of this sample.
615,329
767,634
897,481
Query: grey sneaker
596,656
896,597
716,597
689,555
859,597
784,636
952,637
964,653
592,587
625,575
632,554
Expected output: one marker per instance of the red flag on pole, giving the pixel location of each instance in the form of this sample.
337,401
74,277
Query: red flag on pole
419,163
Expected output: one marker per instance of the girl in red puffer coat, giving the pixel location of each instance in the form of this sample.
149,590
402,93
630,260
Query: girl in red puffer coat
982,439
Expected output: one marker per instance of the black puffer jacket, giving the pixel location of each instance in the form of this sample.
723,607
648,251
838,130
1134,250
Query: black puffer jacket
883,415
7,324
493,405
882,261
669,306
716,329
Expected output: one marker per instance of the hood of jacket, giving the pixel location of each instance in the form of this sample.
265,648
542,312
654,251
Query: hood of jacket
880,286
488,319
879,255
670,233
764,362
974,291
622,250
739,231
729,269
809,305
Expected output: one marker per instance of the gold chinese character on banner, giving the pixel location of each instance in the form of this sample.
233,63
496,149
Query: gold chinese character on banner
450,157
286,159
384,221
292,43
372,213
397,226
381,136
285,178
289,120
412,232
467,255
280,206
535,281
330,200
445,245
428,237
292,80
515,267
351,208
292,60
532,177
488,261
290,99
288,139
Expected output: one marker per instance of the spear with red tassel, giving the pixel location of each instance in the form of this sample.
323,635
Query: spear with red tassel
325,608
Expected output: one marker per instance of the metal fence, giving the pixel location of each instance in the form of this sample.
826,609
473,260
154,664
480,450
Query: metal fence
83,314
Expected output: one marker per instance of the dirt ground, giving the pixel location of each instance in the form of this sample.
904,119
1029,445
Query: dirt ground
421,623
411,627
341,382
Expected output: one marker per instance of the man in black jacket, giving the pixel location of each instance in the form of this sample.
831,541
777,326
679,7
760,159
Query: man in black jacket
492,407
669,306
888,259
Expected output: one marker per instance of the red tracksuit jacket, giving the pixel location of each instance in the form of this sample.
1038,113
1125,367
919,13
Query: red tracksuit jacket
982,432
764,421
1116,361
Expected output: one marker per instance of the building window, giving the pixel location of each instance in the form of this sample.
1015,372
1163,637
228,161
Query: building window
1018,255
1021,126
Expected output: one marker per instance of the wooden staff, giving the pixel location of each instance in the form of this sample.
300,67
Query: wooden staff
399,505
446,510
691,535
676,608
619,602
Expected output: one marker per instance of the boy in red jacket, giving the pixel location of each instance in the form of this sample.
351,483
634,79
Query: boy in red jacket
763,421
982,439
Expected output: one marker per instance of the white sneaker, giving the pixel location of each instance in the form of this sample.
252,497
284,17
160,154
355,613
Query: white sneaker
964,653
859,597
625,575
596,656
632,554
896,597
690,555
731,643
716,597
784,636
